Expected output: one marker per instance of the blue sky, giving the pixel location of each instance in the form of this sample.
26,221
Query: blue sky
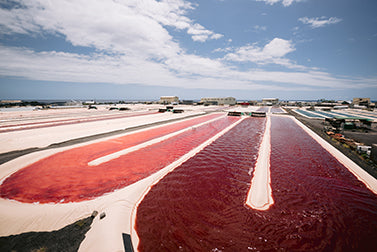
132,49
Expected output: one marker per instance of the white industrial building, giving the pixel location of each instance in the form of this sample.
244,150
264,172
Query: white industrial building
169,100
270,101
361,101
218,101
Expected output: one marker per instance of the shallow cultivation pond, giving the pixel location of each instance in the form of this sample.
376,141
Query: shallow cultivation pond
67,176
319,204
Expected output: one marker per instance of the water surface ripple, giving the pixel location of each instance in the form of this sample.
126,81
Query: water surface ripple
319,204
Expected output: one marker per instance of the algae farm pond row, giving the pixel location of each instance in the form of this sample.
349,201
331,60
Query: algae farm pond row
319,205
200,204
67,176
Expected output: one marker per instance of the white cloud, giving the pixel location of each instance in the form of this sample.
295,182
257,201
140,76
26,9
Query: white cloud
16,22
278,47
199,33
216,36
123,29
226,49
272,53
258,28
133,46
106,24
284,2
319,21
270,2
189,71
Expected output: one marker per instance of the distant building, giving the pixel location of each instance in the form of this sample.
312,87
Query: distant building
10,101
73,103
270,101
219,101
89,102
361,101
169,99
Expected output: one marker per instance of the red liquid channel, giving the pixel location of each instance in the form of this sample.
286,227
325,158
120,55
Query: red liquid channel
66,176
200,206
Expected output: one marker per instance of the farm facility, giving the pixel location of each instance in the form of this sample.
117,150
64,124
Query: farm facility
210,178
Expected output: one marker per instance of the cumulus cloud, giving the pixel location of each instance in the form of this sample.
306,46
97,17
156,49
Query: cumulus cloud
319,21
199,33
272,53
132,45
189,71
258,28
284,2
116,24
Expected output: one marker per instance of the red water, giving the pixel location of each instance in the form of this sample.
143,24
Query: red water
319,205
66,176
197,207
322,206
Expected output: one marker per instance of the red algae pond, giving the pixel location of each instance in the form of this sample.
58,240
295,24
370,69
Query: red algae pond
67,176
319,205
183,186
